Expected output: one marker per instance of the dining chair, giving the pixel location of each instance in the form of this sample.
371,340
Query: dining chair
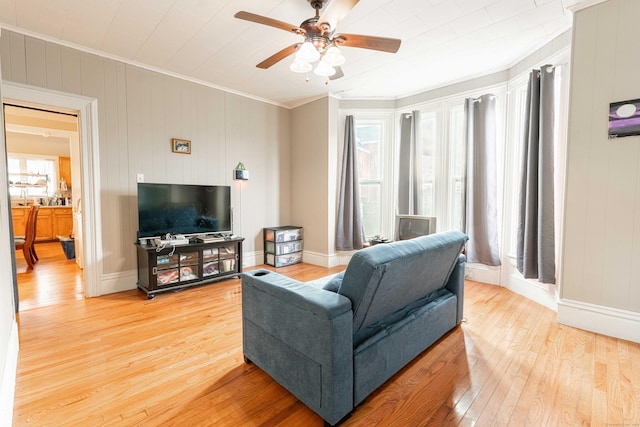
26,243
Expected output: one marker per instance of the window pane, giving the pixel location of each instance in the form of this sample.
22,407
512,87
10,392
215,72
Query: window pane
457,167
369,149
371,208
40,167
368,138
429,135
13,165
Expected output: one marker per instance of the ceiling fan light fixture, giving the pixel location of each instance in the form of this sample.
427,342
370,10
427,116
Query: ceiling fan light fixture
333,57
300,66
324,69
308,52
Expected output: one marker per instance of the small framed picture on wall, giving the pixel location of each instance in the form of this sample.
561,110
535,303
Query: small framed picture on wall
182,146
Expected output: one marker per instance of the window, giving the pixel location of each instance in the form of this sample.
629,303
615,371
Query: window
442,140
429,135
369,140
374,156
32,176
457,167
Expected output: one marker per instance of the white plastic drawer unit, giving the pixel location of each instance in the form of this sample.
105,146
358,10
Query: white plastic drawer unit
282,245
282,260
284,248
283,234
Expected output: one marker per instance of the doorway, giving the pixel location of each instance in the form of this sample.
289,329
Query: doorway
44,169
87,113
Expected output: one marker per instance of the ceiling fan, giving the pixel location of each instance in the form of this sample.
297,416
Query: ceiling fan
320,40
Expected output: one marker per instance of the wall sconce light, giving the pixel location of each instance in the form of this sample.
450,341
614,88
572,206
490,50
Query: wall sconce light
240,172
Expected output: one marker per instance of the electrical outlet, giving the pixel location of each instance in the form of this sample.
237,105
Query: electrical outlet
140,177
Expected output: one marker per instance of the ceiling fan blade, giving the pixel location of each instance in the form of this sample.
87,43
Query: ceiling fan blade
383,44
279,56
338,73
252,17
335,11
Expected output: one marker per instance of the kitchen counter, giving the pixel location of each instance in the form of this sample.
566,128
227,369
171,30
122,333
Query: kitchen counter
53,221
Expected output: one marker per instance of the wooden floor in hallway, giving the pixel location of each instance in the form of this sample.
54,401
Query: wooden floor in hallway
54,279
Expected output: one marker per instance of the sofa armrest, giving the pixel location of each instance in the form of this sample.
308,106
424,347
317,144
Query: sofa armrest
455,285
302,337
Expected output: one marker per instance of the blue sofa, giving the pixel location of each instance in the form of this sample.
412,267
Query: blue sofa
333,342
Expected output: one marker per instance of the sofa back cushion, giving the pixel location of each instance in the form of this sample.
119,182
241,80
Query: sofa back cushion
384,278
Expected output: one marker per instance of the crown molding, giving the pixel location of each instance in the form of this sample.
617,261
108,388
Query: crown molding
576,5
134,63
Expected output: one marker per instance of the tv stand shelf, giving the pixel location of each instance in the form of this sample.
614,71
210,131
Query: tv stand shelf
177,267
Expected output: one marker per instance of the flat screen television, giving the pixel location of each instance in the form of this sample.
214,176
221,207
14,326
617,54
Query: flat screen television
410,226
183,209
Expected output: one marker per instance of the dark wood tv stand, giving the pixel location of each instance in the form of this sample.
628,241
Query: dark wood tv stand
177,267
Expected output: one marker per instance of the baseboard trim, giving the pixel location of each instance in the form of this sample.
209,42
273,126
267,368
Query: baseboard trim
10,371
482,273
545,294
323,260
603,320
118,282
251,259
538,292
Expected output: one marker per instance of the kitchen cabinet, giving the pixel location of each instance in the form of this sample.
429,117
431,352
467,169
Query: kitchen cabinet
52,222
64,169
62,222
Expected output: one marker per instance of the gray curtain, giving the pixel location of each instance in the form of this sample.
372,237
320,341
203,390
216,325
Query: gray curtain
536,241
349,228
410,166
481,219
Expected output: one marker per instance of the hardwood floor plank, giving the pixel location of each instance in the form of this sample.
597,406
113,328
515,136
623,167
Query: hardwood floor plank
628,371
484,351
501,406
124,360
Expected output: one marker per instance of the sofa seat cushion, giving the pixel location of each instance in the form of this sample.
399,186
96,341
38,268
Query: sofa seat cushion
385,326
382,355
383,279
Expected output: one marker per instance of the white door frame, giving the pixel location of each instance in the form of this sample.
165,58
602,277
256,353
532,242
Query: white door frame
87,110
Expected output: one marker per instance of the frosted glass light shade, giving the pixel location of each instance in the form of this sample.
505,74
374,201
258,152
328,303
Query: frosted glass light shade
333,57
324,69
300,66
308,52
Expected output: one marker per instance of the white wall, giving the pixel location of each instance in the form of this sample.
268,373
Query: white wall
313,183
601,257
8,325
139,111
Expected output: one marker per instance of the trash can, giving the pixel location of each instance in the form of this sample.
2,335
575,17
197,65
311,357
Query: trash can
68,246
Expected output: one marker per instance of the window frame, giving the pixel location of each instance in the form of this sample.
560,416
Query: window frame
388,161
52,182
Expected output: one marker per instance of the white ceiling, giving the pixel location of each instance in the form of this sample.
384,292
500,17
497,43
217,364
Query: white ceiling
443,41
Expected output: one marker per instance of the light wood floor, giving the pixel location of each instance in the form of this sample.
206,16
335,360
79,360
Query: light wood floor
177,360
54,279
